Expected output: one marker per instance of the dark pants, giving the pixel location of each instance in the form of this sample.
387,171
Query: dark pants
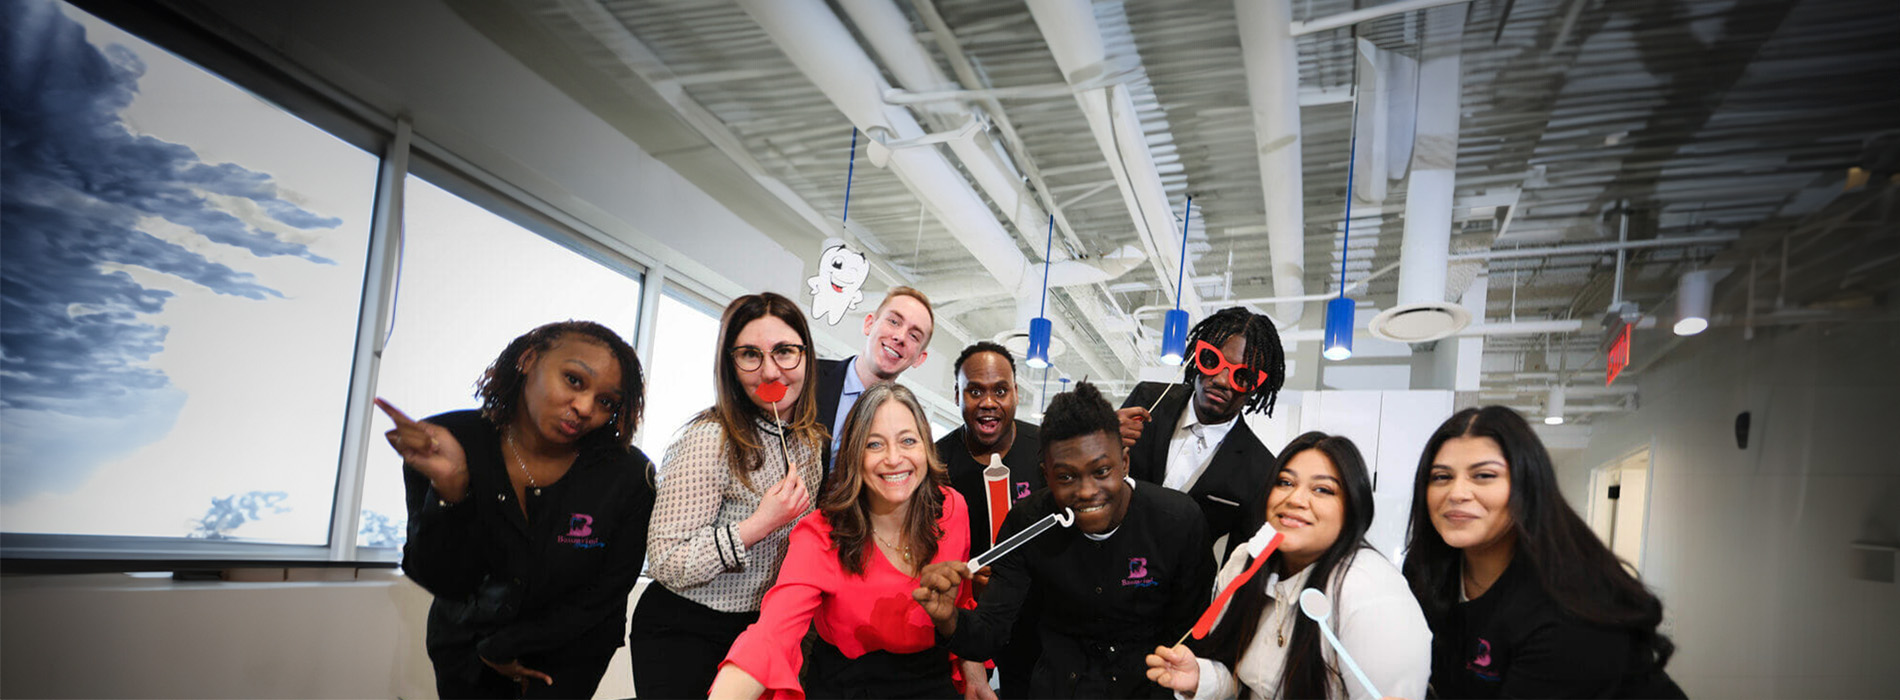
573,678
878,674
677,644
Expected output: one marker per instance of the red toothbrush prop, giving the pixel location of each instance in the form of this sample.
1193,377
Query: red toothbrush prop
1260,548
773,392
996,478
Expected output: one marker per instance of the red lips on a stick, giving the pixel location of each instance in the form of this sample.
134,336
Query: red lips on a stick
772,392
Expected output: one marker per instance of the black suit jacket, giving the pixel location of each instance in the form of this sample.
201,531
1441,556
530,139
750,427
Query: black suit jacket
830,387
1232,492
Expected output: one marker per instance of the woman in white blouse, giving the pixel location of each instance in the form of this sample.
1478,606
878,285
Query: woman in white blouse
728,498
1321,501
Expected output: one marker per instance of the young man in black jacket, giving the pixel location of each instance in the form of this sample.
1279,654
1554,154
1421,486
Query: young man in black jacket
1132,573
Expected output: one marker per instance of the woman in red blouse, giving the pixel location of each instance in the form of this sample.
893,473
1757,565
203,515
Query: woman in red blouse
887,511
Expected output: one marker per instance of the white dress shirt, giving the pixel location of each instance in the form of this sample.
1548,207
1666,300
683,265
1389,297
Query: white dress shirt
1192,448
1374,613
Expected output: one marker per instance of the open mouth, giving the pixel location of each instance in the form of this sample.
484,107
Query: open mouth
988,424
1288,522
891,353
1086,510
895,478
836,288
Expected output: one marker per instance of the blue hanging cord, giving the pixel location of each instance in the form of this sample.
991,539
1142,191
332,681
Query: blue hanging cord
1180,272
1352,161
849,170
1047,244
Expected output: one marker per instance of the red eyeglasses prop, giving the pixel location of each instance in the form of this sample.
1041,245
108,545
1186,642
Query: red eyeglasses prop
1211,362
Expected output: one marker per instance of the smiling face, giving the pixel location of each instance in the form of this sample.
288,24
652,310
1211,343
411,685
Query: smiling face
1086,473
570,390
766,334
1216,400
895,457
843,268
1307,505
986,390
1468,493
895,337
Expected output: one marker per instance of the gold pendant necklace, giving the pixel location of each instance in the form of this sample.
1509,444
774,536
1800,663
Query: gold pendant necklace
903,551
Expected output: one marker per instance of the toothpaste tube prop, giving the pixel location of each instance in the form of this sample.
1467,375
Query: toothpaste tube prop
1065,518
1260,548
996,483
773,392
1313,602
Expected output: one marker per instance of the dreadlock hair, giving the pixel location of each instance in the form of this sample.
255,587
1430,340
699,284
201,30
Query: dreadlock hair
1074,413
501,384
1305,673
1565,557
982,346
1263,352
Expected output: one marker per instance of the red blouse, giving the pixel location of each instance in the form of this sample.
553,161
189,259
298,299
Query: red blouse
856,614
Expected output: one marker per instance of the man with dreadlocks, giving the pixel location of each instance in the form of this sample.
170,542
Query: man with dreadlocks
1194,440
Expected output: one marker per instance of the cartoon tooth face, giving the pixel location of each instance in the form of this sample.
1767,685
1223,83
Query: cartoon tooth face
834,290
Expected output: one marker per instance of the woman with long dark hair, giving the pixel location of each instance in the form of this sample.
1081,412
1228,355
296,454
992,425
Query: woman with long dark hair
733,482
1321,502
1522,598
528,518
887,511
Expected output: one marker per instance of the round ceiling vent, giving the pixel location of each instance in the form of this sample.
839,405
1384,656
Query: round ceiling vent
1419,323
1018,344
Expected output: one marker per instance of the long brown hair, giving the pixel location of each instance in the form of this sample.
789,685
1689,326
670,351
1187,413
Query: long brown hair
501,384
734,412
847,504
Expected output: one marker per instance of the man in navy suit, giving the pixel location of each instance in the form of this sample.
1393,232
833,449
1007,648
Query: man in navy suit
1195,441
896,338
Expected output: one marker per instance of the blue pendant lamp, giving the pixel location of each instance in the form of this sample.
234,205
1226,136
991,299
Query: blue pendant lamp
1339,312
1039,327
1174,329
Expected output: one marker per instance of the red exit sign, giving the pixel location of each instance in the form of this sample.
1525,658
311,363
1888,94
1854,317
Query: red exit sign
1619,356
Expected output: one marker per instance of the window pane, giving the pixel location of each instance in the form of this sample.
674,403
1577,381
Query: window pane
471,282
683,345
182,274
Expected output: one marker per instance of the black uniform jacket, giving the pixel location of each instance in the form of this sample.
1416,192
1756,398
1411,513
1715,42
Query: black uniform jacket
1231,491
554,584
1515,642
830,388
1105,605
966,476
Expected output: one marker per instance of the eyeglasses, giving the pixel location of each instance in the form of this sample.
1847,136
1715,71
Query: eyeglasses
1208,359
787,356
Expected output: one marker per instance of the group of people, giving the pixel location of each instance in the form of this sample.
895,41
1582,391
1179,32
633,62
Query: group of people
806,535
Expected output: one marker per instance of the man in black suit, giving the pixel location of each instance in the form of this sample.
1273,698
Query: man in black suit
896,336
1195,441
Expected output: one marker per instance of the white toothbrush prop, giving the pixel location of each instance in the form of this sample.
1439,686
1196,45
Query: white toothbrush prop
1065,518
1313,602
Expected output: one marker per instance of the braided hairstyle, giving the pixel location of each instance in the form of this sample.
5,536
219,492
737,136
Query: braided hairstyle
1264,352
500,385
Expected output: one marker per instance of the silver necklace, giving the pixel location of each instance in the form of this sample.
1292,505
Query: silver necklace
519,462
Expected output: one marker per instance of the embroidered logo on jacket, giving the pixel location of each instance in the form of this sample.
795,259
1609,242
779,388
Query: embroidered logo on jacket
579,526
1138,573
1481,664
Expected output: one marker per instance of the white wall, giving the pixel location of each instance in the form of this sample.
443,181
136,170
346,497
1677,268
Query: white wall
1750,548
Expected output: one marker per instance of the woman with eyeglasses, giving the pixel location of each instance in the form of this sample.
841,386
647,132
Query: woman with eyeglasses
735,479
1523,600
887,511
528,518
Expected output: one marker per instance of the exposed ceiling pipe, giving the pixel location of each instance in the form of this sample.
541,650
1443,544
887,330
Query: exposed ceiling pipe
1347,19
1075,39
824,50
1422,312
1474,330
891,37
1271,58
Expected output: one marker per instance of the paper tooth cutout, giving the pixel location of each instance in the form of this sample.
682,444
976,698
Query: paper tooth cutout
834,290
